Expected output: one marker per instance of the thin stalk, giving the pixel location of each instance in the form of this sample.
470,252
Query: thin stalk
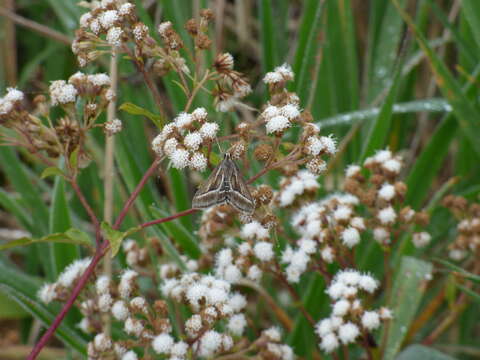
109,171
136,192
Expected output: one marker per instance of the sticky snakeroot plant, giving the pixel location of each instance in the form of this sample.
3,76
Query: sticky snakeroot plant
205,307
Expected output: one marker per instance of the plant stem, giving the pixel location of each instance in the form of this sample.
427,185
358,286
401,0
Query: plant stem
109,172
168,218
71,300
136,192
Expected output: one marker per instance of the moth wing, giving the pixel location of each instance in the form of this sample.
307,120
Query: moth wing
209,194
239,196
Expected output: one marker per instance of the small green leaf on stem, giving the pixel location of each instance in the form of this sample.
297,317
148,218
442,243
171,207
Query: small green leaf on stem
51,171
74,158
71,236
133,109
116,237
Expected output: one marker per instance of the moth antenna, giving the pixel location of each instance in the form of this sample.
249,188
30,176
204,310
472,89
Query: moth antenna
219,146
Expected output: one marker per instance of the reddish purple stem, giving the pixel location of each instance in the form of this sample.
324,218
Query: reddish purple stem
71,300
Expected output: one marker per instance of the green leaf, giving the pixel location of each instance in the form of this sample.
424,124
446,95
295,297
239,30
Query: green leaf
74,158
72,236
133,109
9,309
471,10
415,352
116,237
408,289
475,296
51,171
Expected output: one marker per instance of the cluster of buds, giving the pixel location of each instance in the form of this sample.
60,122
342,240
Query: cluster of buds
183,139
198,29
211,302
349,319
135,255
231,85
468,227
378,188
11,105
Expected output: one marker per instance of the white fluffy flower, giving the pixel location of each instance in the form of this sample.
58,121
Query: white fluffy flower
330,144
113,127
277,124
350,237
421,239
329,342
254,273
342,213
315,145
105,302
392,165
102,342
341,307
210,343
387,215
133,327
73,271
237,323
120,310
183,120
62,93
193,140
327,254
370,320
380,234
290,111
162,344
254,230
99,79
180,158
352,170
273,334
114,36
387,192
164,27
13,95
368,283
130,355
198,162
348,332
47,293
209,130
263,251
199,114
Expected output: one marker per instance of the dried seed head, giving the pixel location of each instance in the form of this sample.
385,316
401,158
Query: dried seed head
422,218
263,152
316,166
160,307
238,149
192,27
270,221
263,195
207,14
224,63
202,41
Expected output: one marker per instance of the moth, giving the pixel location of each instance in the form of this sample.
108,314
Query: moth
225,185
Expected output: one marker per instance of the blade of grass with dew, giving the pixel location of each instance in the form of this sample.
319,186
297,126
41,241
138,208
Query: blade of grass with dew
384,51
465,112
350,118
408,289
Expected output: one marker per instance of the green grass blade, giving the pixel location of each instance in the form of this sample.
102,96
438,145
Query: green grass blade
408,289
379,129
471,10
60,221
414,352
267,35
465,111
14,207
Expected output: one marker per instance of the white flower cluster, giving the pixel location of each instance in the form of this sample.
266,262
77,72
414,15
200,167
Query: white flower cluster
386,160
274,349
182,139
50,291
318,145
211,300
295,186
113,127
328,223
349,318
280,74
107,17
8,102
62,93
